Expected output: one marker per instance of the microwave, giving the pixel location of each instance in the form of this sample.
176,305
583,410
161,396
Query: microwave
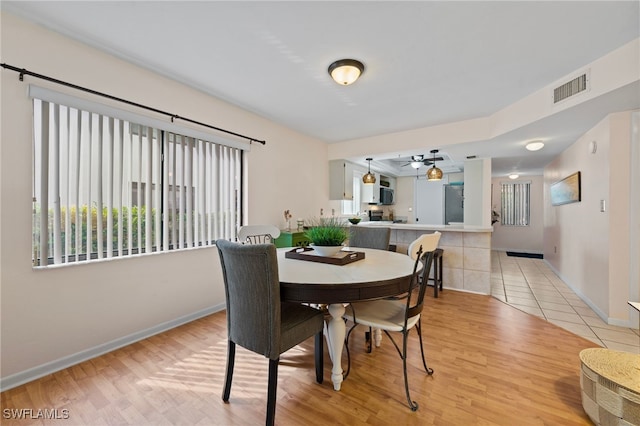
386,196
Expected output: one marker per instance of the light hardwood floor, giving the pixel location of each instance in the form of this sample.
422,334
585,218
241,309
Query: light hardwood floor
494,365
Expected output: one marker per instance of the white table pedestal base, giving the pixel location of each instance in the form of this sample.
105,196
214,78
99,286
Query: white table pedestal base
377,337
335,331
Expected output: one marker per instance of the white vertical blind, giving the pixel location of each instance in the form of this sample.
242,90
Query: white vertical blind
139,190
42,191
105,187
118,189
110,148
54,148
157,192
76,181
89,201
515,203
188,174
67,188
99,155
148,240
128,192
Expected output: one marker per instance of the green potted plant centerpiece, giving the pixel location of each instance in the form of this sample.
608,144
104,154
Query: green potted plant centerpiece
326,235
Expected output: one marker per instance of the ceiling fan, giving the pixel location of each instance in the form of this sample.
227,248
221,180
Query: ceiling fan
418,161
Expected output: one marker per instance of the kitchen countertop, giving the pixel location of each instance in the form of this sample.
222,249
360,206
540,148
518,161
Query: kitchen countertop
424,227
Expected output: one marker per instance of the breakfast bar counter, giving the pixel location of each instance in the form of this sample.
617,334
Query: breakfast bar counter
467,252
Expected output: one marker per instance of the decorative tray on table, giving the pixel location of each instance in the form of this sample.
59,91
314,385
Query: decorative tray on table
341,258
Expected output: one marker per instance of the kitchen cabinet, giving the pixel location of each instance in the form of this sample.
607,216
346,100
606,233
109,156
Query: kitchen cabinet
370,193
388,181
291,239
341,180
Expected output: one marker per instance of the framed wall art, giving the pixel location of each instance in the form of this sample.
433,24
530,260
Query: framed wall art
566,190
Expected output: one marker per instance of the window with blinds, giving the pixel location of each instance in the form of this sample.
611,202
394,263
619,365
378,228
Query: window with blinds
515,203
106,187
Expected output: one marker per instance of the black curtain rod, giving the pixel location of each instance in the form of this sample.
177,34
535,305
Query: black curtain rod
23,71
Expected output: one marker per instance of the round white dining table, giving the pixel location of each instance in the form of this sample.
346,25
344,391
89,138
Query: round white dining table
380,274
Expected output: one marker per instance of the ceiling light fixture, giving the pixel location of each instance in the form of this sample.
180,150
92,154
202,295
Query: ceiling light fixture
369,178
535,145
416,164
346,71
434,173
514,176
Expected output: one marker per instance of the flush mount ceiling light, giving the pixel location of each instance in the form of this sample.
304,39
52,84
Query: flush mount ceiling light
346,71
434,173
514,176
369,178
535,145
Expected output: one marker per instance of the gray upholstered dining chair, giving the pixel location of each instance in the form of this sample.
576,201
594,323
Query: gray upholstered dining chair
258,234
396,315
369,237
256,318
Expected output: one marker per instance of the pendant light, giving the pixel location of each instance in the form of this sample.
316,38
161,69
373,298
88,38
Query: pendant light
369,178
434,173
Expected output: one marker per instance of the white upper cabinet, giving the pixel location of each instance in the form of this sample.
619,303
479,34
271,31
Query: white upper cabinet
340,180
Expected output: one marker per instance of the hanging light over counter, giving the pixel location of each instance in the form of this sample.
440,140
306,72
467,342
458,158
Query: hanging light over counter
434,173
369,178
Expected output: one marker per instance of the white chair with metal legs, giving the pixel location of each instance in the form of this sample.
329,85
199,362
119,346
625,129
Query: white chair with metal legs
399,315
258,234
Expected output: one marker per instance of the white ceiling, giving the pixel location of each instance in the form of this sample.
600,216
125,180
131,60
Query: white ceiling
427,63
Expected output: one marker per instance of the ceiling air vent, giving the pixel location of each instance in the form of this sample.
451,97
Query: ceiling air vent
570,88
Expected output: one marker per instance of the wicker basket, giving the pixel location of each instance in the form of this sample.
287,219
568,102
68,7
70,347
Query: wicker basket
610,383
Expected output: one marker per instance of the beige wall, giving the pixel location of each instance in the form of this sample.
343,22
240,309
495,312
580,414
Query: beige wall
56,316
589,248
520,238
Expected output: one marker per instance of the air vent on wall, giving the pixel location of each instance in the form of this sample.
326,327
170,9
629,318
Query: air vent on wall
571,88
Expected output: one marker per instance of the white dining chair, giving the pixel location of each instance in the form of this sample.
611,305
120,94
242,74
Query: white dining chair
429,242
258,234
397,315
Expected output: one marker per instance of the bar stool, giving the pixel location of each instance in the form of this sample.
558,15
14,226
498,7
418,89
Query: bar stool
437,271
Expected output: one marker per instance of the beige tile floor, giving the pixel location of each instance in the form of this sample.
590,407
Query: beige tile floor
531,286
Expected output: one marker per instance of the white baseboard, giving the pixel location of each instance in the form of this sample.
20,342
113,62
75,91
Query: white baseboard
611,321
462,290
67,361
